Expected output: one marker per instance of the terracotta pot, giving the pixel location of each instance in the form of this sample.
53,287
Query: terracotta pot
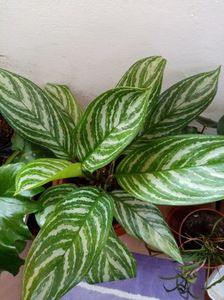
59,181
180,233
176,216
119,230
211,210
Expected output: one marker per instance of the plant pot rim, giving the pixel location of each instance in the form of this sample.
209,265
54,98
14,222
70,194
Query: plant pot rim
206,266
193,212
180,208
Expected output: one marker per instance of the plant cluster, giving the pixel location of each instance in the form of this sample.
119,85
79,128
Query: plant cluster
125,154
205,251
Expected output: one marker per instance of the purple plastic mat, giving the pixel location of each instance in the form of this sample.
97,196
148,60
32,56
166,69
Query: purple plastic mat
146,286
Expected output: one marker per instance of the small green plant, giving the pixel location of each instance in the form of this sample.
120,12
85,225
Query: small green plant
207,252
122,157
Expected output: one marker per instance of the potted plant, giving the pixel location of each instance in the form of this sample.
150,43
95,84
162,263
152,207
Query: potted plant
201,237
123,159
177,214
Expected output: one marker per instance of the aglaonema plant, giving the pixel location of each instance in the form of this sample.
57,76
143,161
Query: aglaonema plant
124,157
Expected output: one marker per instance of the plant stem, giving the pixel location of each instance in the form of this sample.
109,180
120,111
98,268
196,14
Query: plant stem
11,157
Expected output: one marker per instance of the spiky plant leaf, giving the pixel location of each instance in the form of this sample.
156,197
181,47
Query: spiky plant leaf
115,262
64,99
178,170
34,115
146,73
68,244
179,105
144,221
50,198
108,125
43,170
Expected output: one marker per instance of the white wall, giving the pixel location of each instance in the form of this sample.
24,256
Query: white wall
88,44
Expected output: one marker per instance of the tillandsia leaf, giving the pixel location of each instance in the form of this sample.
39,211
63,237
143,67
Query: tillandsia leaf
44,170
50,198
146,73
115,262
144,221
108,125
13,231
179,105
68,244
65,101
34,115
220,126
176,170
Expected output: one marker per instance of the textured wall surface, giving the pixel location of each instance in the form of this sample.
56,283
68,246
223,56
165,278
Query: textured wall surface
88,44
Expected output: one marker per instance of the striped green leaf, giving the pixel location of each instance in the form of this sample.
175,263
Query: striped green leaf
7,178
108,125
143,72
34,115
68,244
179,105
115,262
178,170
50,198
144,221
146,73
43,170
64,99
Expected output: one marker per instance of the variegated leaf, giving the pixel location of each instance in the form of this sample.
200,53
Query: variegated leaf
144,221
68,244
50,198
43,170
178,170
143,72
146,73
115,262
34,115
108,125
179,105
64,99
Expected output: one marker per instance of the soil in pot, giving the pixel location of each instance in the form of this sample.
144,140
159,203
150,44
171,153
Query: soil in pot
177,214
202,224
